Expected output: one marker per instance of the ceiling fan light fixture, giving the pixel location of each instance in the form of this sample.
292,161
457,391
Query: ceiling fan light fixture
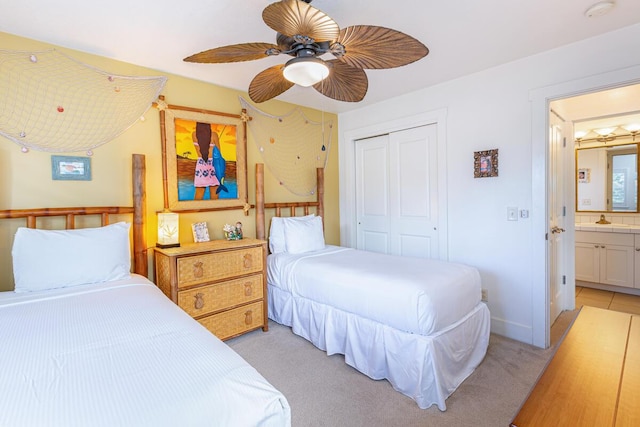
306,71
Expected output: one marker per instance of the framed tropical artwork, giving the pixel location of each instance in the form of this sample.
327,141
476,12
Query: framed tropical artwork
204,159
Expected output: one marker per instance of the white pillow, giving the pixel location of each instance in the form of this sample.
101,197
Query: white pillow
49,259
276,232
304,236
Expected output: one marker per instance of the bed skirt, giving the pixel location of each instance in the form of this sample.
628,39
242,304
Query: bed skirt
428,369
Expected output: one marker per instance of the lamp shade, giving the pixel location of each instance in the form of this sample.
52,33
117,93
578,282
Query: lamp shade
305,71
604,131
168,230
580,134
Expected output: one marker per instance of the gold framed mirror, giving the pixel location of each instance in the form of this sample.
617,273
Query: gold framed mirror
606,178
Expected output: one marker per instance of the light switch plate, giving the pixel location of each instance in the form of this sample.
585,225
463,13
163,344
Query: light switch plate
512,214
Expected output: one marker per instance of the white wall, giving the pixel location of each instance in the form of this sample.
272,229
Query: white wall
592,194
488,110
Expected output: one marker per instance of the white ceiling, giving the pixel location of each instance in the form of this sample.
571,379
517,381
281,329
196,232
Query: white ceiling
613,108
464,36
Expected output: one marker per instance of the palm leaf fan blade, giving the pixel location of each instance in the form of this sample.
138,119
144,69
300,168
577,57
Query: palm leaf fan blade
234,53
345,83
372,47
295,17
268,84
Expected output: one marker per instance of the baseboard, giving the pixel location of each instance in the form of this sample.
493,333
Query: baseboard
514,331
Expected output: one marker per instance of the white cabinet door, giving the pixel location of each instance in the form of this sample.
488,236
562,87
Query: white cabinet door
616,265
587,262
637,261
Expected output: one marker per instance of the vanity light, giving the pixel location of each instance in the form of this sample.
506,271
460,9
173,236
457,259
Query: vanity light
632,129
608,134
168,230
604,131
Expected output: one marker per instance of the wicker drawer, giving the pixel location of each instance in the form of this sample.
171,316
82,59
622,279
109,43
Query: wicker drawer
197,269
211,298
236,321
220,283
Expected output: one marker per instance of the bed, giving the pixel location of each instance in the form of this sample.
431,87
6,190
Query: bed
418,323
89,343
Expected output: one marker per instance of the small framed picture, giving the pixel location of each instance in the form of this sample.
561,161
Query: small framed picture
70,168
584,175
485,163
200,232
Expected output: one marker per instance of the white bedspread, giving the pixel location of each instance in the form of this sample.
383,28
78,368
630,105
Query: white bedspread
414,295
122,354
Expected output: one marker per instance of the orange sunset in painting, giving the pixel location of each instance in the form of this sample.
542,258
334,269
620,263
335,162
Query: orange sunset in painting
184,140
191,161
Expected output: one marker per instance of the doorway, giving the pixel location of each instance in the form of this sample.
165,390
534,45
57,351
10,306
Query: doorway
541,178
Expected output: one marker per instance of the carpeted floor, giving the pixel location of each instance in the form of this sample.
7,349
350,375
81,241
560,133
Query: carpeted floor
323,391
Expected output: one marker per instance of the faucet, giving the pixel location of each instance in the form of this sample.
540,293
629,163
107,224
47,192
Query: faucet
603,220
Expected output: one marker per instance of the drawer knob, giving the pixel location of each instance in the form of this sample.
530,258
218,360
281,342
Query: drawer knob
199,303
247,260
198,270
248,289
248,317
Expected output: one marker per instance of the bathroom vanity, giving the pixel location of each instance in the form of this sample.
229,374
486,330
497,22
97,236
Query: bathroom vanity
608,254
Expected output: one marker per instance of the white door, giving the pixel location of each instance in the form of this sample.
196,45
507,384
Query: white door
372,190
397,193
557,212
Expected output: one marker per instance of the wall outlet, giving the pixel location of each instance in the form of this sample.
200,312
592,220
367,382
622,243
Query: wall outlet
485,295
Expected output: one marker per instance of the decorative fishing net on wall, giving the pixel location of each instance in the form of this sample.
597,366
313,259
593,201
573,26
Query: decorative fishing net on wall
291,145
51,102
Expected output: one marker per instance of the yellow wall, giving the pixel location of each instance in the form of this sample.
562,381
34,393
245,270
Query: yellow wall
25,179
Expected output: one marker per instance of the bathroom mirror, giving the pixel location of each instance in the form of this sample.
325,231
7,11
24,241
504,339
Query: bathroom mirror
607,178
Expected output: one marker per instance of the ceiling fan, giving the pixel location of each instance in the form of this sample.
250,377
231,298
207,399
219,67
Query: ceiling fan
306,33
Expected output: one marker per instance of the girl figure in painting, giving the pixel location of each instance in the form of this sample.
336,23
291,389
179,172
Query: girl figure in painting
205,175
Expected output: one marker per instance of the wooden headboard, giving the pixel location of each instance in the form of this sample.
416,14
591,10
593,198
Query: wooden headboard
138,210
294,207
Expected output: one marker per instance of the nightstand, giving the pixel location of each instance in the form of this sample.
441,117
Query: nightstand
222,284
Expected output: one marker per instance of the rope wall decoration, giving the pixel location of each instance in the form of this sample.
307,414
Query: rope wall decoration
291,145
51,102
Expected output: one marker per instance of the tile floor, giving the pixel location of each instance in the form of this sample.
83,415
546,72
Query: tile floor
594,298
607,299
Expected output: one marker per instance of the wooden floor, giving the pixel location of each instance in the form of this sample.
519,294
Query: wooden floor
608,300
593,379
